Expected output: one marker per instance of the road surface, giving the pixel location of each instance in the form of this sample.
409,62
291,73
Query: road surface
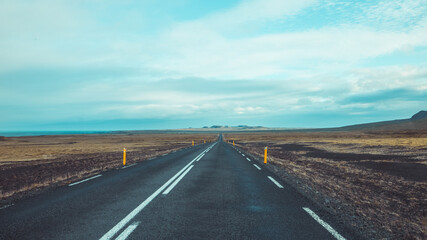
209,191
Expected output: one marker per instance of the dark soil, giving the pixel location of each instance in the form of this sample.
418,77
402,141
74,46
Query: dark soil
404,166
384,195
27,177
410,171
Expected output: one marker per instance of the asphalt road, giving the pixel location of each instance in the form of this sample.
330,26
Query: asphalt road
209,191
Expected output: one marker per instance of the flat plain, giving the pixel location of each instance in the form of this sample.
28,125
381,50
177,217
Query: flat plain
373,179
29,165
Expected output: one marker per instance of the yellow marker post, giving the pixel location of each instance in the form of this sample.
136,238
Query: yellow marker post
192,143
233,142
204,141
265,155
124,156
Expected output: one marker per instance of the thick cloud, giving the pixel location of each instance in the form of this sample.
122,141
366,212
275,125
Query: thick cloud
254,62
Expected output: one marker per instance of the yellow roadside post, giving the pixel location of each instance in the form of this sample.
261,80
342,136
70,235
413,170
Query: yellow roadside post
124,156
233,142
204,141
192,143
265,155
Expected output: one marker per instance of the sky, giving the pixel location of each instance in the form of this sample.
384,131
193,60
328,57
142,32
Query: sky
153,64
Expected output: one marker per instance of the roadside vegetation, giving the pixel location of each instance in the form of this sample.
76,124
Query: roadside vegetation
31,164
370,178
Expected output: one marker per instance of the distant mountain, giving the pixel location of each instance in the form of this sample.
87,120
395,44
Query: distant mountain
419,115
216,128
416,122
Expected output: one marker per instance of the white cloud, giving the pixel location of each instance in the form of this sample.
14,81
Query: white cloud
71,36
35,33
366,80
397,14
205,48
211,55
249,110
248,14
307,69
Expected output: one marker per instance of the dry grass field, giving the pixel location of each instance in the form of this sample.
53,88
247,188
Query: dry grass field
31,164
369,178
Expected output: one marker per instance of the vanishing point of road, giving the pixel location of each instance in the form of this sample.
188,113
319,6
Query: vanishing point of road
209,191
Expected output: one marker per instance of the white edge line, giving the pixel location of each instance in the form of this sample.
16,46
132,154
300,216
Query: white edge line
141,206
177,180
324,224
257,167
248,159
129,165
275,182
128,231
10,205
87,179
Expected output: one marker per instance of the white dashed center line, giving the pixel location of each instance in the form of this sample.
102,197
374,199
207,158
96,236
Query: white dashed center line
248,159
